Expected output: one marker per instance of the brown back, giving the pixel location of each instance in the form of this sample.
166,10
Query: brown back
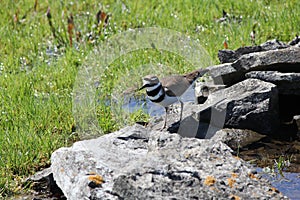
176,85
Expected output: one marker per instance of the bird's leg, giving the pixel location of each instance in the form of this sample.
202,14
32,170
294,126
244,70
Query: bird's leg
181,110
165,122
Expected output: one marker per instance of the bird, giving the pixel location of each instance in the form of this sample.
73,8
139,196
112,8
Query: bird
168,90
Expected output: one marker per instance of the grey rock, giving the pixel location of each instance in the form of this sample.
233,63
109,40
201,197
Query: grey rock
224,74
191,127
273,45
229,56
43,184
283,60
102,156
287,83
237,138
72,170
137,163
40,175
251,104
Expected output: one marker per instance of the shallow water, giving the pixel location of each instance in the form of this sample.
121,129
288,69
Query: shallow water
289,185
133,104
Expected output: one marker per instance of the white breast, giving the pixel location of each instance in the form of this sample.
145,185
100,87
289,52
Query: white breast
168,101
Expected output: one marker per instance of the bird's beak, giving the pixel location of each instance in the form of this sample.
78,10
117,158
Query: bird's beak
143,87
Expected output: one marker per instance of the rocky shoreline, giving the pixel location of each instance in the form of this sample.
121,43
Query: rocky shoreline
257,95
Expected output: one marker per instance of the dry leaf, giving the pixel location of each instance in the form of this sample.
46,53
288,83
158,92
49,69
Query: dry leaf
70,28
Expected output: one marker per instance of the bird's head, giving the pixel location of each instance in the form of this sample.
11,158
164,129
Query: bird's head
149,81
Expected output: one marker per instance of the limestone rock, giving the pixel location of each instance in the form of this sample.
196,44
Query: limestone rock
229,56
283,60
251,104
237,138
287,83
136,163
43,183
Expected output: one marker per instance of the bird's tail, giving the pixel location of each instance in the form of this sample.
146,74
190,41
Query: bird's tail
192,76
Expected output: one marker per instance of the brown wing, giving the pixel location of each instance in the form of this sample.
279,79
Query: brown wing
175,85
192,76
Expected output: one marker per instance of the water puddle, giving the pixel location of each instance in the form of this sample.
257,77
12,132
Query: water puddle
288,183
133,104
278,160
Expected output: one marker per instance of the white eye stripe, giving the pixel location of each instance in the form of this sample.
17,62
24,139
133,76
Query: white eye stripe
145,82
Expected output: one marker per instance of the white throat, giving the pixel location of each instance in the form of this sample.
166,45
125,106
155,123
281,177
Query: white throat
151,88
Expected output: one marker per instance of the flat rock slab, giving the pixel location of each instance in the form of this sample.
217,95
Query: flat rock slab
283,60
136,163
229,56
237,138
287,83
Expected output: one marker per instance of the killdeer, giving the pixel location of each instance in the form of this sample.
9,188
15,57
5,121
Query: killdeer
169,89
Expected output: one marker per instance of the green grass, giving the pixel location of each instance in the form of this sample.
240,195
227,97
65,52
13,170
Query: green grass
36,88
281,164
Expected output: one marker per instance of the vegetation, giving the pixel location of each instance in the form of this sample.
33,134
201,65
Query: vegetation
282,163
44,43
